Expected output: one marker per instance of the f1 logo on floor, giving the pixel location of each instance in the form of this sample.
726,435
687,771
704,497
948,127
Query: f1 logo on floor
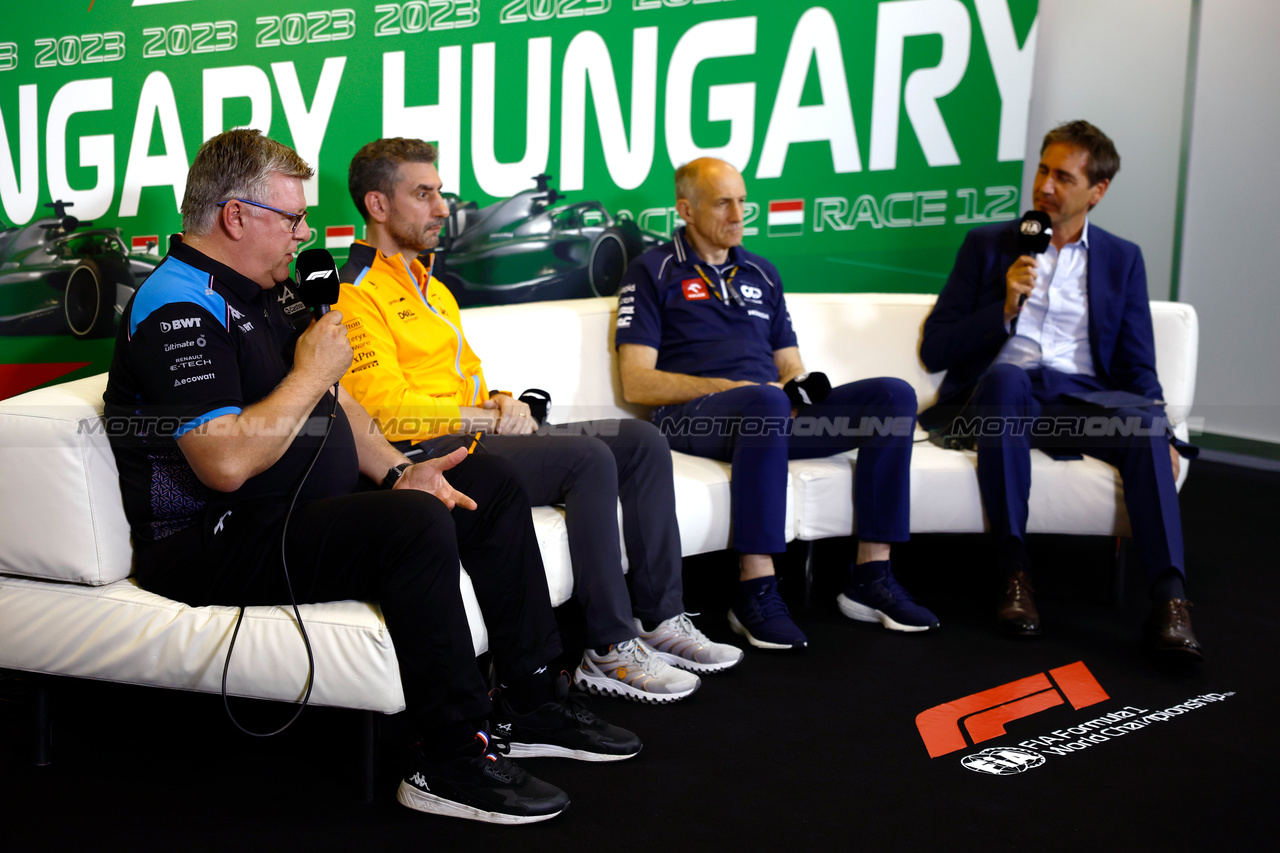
984,714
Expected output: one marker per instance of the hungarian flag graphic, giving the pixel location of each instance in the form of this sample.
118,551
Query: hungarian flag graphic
786,218
339,236
149,243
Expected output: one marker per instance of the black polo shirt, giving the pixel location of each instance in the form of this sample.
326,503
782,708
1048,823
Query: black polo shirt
196,342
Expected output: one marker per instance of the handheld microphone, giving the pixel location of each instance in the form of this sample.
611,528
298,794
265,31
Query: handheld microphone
318,284
1034,233
807,389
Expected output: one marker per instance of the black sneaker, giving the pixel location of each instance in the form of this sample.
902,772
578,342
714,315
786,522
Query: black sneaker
562,729
480,784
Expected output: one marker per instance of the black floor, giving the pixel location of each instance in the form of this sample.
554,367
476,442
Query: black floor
808,751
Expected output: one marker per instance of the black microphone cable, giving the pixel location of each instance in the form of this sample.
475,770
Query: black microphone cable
306,641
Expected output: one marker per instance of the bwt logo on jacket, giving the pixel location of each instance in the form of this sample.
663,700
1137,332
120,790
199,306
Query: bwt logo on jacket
188,323
984,714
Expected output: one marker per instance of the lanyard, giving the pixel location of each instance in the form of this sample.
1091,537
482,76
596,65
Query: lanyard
728,286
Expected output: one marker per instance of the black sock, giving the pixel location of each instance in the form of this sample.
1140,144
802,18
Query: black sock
443,742
526,692
1169,585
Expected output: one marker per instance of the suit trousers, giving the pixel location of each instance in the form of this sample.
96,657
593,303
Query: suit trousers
1031,409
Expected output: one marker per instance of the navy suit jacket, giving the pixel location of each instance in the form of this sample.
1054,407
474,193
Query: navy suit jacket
965,330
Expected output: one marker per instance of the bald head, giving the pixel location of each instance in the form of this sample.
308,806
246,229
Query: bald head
710,198
691,177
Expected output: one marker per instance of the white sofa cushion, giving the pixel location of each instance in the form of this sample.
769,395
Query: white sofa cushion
63,518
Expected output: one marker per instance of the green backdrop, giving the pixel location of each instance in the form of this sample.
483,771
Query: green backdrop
871,134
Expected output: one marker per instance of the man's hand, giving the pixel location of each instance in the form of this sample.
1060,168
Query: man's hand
323,349
429,477
782,386
513,416
1019,281
1177,461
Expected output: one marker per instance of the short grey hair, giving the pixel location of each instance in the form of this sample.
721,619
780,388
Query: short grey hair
235,164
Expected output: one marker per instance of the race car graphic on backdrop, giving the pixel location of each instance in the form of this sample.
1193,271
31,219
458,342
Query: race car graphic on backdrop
522,249
59,275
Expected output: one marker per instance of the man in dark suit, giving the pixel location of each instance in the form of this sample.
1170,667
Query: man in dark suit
1028,338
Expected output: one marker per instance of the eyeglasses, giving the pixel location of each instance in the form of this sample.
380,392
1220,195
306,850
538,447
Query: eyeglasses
296,217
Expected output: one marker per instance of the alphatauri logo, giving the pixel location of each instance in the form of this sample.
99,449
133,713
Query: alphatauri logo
985,714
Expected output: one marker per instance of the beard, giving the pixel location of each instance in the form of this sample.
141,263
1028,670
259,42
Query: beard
416,239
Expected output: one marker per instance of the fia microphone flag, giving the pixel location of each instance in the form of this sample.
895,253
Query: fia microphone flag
1034,232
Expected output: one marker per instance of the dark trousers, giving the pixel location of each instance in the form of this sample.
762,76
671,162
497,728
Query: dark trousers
1019,399
400,548
751,427
588,467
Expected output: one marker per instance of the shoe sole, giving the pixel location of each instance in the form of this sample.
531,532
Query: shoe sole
739,628
696,666
418,800
1019,631
863,613
551,750
605,686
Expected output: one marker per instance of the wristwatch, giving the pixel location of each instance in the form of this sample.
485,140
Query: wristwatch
394,475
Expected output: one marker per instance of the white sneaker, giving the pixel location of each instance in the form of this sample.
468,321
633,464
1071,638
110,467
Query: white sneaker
678,642
634,671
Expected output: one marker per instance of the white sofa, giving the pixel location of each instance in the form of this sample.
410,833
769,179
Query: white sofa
68,606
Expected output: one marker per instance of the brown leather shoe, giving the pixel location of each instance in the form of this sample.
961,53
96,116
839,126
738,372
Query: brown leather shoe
1168,629
1017,612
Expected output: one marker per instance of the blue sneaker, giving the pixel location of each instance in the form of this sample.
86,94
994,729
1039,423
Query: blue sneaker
873,595
762,617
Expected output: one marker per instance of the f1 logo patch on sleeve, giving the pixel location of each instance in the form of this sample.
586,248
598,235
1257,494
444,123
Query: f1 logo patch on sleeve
695,288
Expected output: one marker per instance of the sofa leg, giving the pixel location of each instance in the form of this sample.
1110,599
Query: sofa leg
368,754
1118,565
43,718
808,573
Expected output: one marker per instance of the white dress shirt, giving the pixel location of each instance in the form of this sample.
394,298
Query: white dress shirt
1053,327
